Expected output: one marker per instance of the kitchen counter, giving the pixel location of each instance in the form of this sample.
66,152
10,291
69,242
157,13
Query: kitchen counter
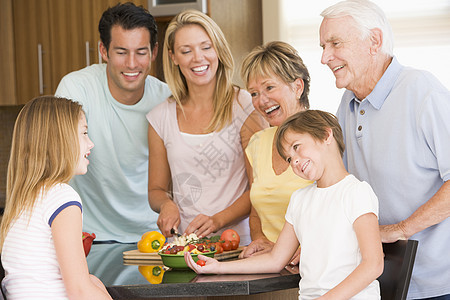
124,281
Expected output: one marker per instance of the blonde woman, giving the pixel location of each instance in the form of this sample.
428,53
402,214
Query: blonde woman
278,82
42,250
197,167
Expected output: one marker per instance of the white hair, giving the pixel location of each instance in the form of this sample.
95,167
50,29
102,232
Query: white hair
367,16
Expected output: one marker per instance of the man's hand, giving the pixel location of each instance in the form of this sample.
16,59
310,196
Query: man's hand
392,233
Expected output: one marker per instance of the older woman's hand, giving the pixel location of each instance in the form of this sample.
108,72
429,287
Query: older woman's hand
296,257
259,246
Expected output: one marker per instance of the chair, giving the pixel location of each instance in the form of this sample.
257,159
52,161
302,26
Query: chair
8,115
2,275
398,266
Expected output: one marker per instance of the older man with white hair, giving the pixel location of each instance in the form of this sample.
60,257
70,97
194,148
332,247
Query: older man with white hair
396,128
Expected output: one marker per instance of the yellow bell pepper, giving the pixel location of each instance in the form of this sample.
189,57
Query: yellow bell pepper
153,274
151,241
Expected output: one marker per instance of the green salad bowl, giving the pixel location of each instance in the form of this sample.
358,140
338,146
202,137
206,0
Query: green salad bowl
176,261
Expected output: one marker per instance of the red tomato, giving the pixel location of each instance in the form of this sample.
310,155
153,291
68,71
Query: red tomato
201,262
234,245
219,248
226,246
230,235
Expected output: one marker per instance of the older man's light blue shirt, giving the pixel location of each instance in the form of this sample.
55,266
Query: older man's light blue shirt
398,140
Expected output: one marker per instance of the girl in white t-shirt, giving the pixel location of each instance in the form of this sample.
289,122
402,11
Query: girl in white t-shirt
41,244
334,219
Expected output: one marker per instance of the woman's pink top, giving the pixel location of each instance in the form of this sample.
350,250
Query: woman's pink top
208,171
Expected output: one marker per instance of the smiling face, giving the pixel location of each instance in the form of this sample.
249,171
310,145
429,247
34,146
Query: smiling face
304,154
194,54
129,60
274,99
345,53
85,146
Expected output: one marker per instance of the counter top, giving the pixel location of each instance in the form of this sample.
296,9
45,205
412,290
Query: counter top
126,282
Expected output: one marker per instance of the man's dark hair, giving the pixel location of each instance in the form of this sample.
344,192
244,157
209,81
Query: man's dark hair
128,16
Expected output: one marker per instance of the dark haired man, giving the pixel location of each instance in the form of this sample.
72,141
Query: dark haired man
115,97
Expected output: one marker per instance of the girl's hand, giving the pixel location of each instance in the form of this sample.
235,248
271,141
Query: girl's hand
258,246
211,265
202,225
169,217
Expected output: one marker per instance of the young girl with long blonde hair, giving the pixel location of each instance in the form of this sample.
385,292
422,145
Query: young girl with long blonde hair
41,245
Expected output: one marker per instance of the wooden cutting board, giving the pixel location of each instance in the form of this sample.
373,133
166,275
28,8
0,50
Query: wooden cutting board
134,255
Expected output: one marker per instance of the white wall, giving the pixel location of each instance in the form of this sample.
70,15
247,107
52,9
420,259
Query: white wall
421,38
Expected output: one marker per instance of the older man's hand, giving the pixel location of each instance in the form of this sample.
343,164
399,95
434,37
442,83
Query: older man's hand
392,233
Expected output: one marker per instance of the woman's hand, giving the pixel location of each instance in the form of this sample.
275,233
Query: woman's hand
256,247
169,217
296,257
203,225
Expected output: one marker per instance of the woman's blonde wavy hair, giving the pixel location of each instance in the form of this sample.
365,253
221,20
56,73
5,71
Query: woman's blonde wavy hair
44,152
225,90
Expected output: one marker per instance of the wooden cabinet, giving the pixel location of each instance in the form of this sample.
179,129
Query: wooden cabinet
241,23
42,40
51,38
49,41
31,34
7,71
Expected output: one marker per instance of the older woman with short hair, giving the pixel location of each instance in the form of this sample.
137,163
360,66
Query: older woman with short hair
278,82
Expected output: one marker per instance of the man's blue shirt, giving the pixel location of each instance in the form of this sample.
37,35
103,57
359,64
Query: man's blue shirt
398,140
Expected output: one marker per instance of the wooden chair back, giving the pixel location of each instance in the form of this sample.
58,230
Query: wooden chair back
398,265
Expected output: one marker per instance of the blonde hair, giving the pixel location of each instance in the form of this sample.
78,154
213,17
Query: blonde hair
314,123
44,152
279,59
224,91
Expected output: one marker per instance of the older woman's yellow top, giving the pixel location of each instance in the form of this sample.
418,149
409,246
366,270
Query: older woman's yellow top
270,193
